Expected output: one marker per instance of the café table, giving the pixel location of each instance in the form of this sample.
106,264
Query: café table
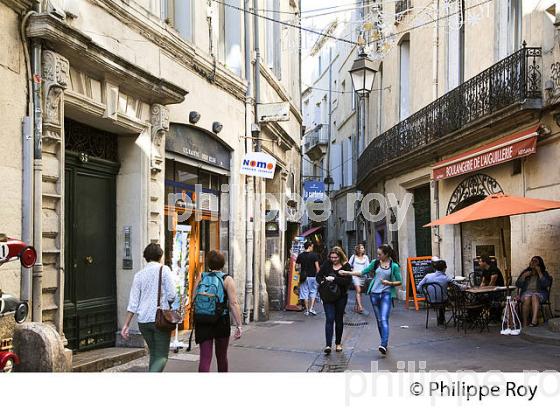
488,297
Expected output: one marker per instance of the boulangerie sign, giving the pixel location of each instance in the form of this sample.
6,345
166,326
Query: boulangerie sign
500,151
258,164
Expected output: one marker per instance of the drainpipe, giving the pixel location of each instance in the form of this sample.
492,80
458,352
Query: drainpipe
248,180
436,248
27,186
37,284
257,243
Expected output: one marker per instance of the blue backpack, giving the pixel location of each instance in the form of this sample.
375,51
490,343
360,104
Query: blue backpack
210,301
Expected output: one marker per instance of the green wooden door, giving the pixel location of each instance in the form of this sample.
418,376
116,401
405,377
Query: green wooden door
421,218
90,314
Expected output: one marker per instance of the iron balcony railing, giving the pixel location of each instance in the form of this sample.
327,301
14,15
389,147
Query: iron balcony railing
512,80
318,135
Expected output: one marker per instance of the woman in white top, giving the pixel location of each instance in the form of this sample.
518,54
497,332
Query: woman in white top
358,261
143,302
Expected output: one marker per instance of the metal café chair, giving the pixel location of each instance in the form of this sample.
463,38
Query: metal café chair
435,298
475,279
468,311
546,302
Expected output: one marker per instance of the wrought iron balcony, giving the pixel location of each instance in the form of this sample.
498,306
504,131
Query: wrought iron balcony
513,80
316,142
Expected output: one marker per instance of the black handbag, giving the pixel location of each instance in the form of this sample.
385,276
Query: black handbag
329,291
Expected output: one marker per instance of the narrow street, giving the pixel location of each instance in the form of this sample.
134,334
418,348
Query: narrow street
292,342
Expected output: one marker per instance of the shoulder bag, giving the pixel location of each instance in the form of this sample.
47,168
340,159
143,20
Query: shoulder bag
166,319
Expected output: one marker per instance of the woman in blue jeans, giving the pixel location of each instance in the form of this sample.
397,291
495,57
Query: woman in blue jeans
334,309
386,277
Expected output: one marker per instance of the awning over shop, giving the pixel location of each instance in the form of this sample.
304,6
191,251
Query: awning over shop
311,230
496,206
505,149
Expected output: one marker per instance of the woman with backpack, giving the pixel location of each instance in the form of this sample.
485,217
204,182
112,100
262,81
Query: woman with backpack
215,296
149,284
385,274
358,261
333,288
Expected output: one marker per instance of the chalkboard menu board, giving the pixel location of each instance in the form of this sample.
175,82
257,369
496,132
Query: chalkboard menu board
417,269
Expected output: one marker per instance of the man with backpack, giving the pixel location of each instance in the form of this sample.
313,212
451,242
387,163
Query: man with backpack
215,297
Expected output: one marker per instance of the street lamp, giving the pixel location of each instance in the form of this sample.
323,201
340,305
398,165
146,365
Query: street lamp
362,74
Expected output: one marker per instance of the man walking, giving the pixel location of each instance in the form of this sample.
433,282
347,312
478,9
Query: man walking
308,262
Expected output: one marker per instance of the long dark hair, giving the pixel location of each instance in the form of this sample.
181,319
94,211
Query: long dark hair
389,251
541,263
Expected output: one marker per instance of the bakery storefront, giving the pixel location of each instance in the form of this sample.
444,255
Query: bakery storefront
498,167
197,164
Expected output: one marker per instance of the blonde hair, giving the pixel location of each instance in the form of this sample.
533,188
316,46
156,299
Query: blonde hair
342,256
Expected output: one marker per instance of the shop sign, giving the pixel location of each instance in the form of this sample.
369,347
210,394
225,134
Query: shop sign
273,112
198,144
503,150
313,190
258,164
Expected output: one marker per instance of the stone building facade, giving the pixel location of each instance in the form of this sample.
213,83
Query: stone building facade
131,90
483,77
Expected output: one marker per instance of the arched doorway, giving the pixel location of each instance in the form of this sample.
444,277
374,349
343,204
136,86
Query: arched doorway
471,190
473,239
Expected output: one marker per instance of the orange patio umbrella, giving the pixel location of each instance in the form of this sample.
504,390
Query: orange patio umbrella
496,206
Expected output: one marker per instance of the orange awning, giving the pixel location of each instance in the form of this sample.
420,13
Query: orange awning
495,206
502,150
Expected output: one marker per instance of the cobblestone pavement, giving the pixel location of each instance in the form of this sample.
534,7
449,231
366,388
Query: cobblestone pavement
292,342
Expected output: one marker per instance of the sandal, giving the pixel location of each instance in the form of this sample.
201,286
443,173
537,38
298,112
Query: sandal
533,324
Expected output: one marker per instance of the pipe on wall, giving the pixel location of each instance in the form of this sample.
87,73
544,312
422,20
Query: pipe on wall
27,166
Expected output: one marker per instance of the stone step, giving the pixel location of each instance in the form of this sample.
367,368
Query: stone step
101,359
542,335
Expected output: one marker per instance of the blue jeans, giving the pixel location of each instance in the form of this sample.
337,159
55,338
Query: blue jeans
381,303
334,313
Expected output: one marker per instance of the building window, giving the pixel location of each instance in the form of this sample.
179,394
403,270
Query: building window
317,119
509,27
273,40
456,44
404,77
179,15
229,50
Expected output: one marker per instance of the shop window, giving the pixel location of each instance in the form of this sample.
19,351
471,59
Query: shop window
185,174
204,179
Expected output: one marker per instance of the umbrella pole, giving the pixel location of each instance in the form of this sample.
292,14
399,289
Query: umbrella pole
508,276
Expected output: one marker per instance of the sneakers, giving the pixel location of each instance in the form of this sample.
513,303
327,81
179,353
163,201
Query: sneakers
338,348
327,350
382,349
306,313
312,311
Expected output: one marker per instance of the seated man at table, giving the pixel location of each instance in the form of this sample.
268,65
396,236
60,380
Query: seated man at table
439,277
491,275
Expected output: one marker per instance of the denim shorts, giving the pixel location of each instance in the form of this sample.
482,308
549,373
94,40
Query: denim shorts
308,289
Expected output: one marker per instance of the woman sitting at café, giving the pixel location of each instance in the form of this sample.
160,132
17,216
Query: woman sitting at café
533,284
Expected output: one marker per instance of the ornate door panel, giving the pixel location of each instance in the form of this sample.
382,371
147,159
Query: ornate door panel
90,314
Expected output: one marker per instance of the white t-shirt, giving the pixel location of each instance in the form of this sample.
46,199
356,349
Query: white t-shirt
357,264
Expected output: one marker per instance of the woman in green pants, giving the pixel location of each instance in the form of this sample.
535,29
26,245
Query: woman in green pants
143,302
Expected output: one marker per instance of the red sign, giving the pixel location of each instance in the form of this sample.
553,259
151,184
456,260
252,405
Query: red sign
498,152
